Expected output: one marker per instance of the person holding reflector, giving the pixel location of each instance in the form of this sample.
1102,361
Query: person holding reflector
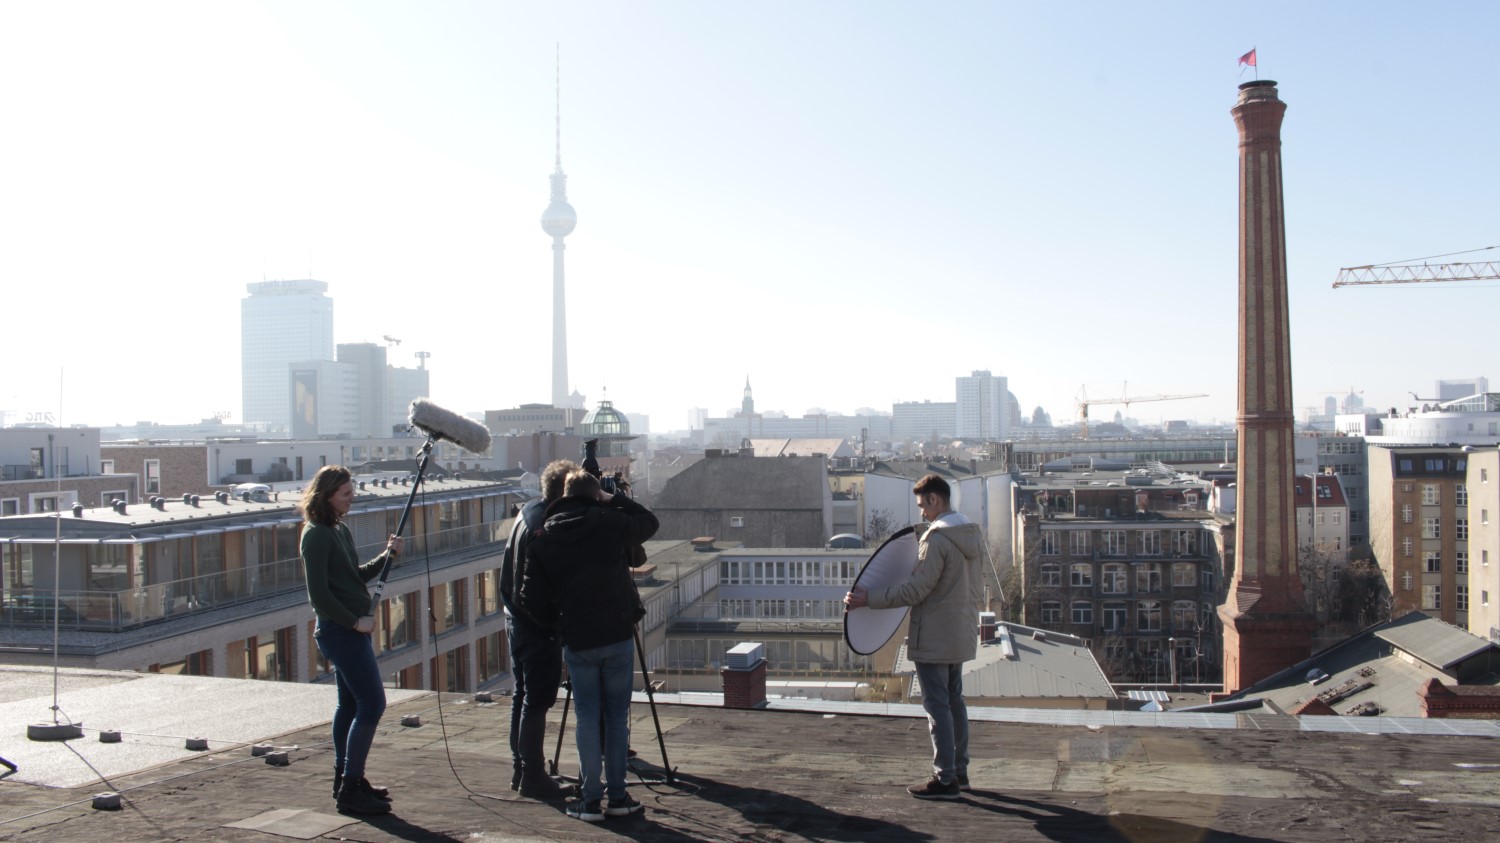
944,592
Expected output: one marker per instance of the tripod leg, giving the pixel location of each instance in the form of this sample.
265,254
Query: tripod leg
8,764
640,648
563,727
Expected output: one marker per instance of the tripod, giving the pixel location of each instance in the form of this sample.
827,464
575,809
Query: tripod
9,765
640,649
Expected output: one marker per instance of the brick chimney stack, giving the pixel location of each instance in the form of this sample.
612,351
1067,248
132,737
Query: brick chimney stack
1267,627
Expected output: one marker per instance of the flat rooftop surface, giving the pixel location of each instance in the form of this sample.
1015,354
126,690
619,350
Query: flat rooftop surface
824,774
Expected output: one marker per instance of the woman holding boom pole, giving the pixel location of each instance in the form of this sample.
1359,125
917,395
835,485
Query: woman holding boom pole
336,589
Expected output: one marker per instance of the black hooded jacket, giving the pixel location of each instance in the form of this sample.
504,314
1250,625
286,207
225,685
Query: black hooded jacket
513,563
578,569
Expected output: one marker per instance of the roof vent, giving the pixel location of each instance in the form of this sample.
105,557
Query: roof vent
195,500
744,655
187,499
119,506
245,496
703,543
77,510
1039,635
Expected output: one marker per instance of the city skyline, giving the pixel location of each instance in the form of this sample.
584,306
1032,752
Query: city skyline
804,203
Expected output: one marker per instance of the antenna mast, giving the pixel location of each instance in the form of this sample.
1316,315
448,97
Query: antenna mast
558,91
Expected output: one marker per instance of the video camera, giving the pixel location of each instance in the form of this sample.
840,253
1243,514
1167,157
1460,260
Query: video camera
611,484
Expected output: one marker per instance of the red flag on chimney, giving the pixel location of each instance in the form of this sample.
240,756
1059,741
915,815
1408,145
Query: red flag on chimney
1248,58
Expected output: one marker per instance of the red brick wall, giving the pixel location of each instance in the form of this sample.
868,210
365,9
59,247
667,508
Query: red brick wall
745,688
184,468
1472,702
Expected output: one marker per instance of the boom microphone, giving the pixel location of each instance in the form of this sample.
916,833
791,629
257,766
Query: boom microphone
446,424
437,423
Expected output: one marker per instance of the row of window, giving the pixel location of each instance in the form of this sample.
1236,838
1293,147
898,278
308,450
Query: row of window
736,609
1116,542
1432,597
1187,615
1114,577
1434,464
794,572
1433,561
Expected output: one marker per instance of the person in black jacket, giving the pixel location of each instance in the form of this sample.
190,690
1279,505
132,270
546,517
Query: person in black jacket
535,650
578,571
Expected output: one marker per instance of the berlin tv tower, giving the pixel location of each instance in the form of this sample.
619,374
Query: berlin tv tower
558,220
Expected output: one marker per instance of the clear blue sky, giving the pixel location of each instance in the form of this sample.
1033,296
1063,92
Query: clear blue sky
850,202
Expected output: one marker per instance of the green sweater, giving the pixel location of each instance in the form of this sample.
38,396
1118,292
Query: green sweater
335,579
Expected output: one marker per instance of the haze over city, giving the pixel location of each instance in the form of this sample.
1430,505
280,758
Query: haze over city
851,204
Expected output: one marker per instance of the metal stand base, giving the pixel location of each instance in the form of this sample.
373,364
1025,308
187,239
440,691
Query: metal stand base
54,731
9,765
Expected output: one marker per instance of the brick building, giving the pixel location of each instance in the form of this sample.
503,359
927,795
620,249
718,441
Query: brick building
1419,528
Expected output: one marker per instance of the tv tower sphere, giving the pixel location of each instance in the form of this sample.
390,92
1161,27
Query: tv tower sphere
559,219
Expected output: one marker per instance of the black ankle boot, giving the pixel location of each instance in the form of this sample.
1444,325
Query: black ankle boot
541,786
535,783
353,799
381,793
338,781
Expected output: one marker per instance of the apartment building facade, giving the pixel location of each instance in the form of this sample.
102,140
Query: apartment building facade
48,469
1484,543
1420,527
1131,569
214,586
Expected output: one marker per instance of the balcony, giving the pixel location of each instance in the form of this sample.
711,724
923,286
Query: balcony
129,608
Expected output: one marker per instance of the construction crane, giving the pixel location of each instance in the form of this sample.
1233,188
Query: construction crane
390,340
1084,401
1406,272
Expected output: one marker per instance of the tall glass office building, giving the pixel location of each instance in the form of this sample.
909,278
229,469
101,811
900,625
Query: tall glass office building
281,322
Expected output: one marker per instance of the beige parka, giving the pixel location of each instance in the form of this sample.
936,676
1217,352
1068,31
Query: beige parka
945,591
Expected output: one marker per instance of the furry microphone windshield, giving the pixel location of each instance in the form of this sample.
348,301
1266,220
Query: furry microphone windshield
446,424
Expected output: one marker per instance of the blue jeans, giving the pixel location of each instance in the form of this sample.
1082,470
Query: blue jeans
601,680
361,694
536,663
947,718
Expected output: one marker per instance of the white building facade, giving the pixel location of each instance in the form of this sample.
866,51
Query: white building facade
923,420
982,408
281,322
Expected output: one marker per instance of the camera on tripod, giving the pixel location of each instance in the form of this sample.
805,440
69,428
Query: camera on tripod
609,483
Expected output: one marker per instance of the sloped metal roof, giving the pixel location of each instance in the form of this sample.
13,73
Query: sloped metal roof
1432,640
1020,664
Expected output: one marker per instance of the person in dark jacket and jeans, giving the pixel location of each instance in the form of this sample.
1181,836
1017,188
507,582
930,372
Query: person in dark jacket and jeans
578,571
535,650
336,589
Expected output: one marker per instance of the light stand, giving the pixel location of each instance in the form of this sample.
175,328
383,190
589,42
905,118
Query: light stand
562,729
64,729
640,649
